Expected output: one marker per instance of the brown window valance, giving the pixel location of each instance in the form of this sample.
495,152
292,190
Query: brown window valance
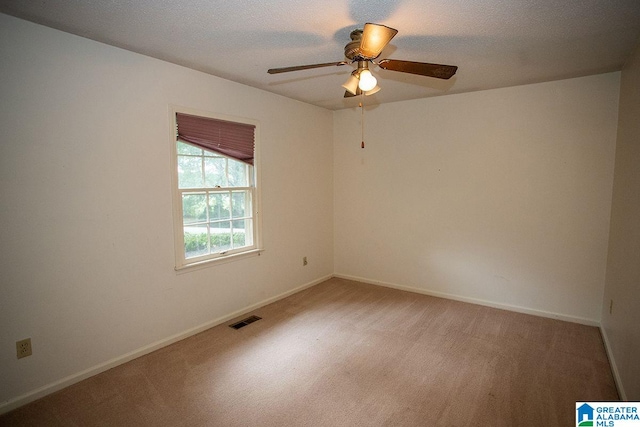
231,139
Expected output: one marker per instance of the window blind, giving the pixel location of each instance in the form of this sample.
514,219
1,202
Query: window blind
236,140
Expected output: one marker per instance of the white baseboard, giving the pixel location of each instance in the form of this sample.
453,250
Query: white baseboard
77,377
509,307
612,363
72,379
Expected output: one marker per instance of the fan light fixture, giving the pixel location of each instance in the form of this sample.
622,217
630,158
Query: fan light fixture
372,91
361,81
367,81
374,38
351,85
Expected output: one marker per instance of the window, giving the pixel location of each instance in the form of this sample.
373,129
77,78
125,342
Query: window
215,191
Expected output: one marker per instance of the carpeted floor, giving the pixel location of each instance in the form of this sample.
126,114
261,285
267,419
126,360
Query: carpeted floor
344,353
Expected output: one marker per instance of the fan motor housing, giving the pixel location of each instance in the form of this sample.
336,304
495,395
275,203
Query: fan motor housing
352,49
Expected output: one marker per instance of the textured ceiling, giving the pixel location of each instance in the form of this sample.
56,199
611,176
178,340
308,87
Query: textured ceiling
495,43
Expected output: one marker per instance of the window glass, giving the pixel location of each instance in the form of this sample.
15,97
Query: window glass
194,208
215,173
238,174
219,205
189,149
216,193
195,240
190,171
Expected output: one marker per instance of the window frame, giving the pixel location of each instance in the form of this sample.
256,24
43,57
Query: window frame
181,262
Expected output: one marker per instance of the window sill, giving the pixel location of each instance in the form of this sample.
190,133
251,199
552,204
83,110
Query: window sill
216,261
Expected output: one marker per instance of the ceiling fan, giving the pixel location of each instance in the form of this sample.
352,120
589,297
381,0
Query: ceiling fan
365,46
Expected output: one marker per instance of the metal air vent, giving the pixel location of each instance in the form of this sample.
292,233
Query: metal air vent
244,322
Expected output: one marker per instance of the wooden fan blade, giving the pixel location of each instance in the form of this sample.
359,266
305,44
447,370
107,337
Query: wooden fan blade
421,68
304,67
374,38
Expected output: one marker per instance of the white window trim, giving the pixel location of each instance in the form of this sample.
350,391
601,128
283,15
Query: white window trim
181,263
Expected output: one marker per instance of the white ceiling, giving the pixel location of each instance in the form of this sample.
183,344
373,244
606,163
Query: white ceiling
495,43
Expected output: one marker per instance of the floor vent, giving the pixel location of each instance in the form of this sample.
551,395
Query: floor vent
244,322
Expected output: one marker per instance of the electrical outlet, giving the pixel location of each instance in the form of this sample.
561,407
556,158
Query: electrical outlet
23,348
611,307
304,261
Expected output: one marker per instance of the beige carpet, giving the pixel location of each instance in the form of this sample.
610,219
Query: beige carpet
349,354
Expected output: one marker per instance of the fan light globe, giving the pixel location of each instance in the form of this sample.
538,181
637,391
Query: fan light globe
351,85
372,91
367,81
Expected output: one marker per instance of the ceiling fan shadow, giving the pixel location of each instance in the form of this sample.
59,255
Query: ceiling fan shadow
342,34
370,104
388,51
269,39
364,11
344,71
448,48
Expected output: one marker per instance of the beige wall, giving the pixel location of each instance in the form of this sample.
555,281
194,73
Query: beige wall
622,324
500,197
87,265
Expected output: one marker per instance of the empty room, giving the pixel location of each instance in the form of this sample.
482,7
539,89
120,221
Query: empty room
375,213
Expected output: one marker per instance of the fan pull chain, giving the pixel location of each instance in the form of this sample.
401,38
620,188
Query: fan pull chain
362,122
